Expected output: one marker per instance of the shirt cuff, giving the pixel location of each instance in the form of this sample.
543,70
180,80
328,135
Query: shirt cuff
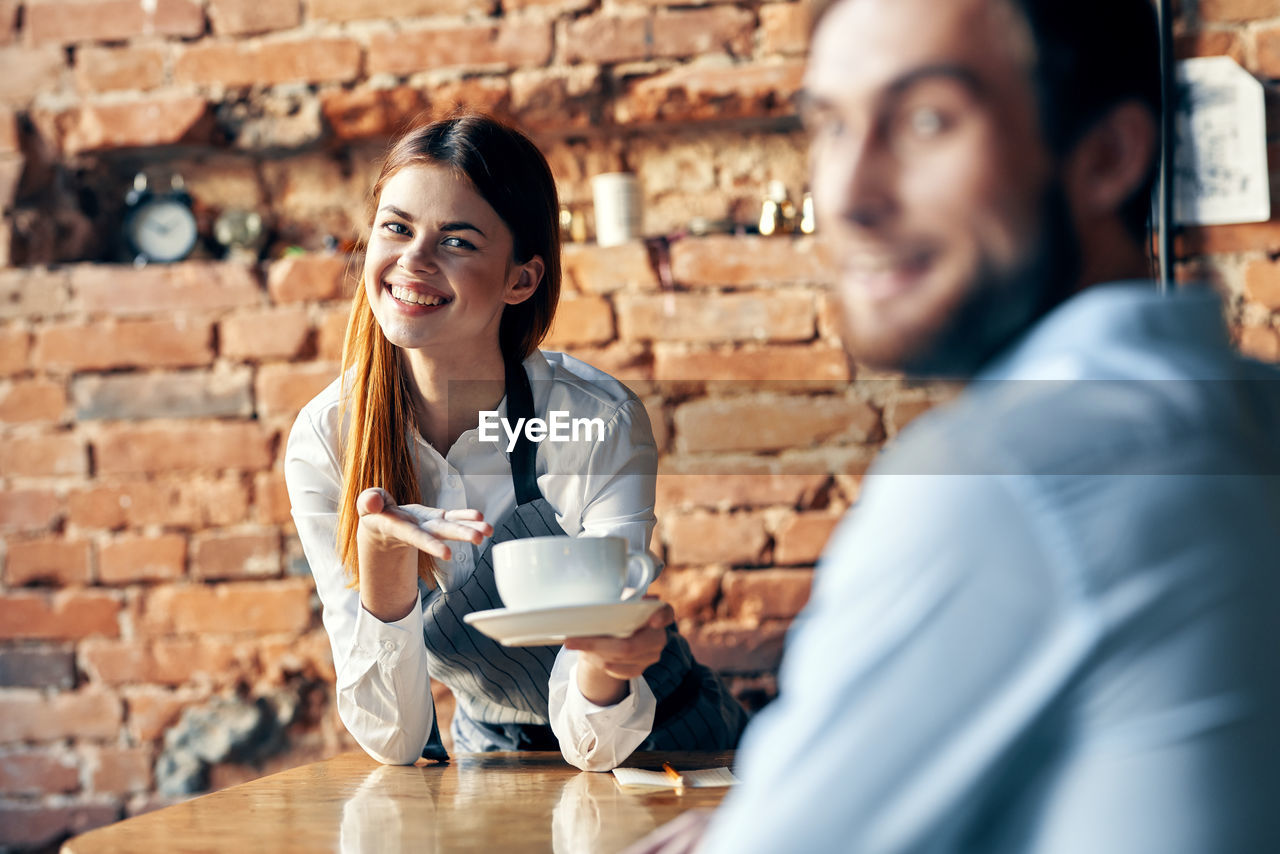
592,737
385,643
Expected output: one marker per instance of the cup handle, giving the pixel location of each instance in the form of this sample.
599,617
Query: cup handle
648,572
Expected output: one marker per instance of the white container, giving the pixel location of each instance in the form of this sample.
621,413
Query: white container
617,202
550,572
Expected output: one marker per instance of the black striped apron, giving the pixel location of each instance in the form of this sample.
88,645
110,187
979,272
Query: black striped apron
501,692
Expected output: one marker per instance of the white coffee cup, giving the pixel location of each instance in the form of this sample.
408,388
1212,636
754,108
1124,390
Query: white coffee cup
616,196
550,572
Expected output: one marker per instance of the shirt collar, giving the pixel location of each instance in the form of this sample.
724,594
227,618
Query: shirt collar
1117,328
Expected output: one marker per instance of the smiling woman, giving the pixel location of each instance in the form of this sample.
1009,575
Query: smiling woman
391,481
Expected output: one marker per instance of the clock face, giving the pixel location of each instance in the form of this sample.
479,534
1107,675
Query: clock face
163,230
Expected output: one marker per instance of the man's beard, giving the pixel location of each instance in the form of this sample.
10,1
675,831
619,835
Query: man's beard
1003,304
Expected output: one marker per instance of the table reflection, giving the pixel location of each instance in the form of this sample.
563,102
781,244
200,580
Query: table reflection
594,815
393,809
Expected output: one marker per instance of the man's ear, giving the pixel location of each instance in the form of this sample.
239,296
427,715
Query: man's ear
524,280
1111,161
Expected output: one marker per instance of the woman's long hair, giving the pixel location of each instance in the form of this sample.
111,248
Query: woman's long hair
509,173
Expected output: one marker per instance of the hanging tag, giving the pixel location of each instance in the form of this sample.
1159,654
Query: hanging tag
1220,149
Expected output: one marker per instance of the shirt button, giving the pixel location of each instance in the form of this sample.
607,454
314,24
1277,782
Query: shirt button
388,646
452,481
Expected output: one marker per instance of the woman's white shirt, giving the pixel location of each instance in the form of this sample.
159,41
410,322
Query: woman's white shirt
603,488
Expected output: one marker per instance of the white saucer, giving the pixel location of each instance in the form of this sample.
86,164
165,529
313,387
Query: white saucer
546,626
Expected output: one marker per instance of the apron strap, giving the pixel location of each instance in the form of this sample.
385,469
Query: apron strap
520,405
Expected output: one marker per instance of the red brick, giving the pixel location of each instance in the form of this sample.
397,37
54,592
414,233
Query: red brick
765,594
1221,239
780,367
315,60
117,662
243,17
256,607
8,20
309,654
182,394
699,538
703,31
264,334
28,72
354,10
1261,343
101,69
11,168
15,345
8,120
37,773
67,21
701,92
310,278
186,502
331,334
161,288
784,28
737,261
601,270
142,123
607,38
148,448
119,770
1262,283
511,44
30,716
761,316
801,537
111,343
270,499
151,710
66,614
773,423
1210,43
581,320
1267,63
691,592
703,485
37,456
33,292
282,390
739,648
222,554
1237,11
39,826
557,100
365,113
208,660
136,557
29,509
52,561
32,400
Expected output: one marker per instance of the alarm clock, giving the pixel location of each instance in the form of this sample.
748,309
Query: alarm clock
159,227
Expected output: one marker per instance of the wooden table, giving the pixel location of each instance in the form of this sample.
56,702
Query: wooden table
479,802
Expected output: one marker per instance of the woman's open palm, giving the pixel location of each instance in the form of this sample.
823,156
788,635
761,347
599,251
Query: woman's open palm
389,527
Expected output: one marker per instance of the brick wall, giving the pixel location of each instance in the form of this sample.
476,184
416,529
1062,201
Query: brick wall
149,566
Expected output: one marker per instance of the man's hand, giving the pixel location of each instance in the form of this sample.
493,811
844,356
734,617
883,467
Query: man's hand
606,664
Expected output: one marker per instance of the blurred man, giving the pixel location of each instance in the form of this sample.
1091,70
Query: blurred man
1051,623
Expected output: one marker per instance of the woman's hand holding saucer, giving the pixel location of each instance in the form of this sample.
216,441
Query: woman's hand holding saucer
606,664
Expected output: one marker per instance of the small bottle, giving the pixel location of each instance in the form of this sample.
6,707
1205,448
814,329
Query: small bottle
777,213
807,222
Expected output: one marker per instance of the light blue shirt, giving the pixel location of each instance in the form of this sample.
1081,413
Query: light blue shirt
1052,623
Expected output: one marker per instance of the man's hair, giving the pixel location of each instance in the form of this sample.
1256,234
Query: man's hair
1091,55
